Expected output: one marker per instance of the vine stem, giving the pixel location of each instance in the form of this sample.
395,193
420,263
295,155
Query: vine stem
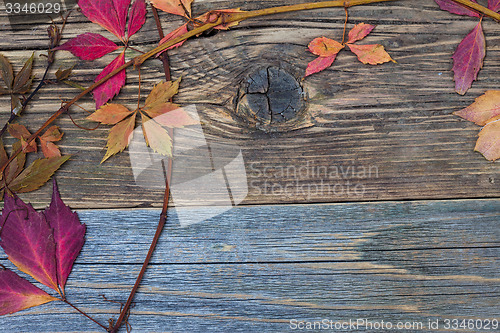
83,313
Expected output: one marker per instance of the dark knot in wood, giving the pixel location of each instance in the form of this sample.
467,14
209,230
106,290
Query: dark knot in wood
270,98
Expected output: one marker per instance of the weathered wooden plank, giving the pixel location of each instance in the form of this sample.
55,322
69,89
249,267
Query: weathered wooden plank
394,118
255,268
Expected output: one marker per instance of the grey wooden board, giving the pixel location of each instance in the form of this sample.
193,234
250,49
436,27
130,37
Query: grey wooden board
254,268
395,117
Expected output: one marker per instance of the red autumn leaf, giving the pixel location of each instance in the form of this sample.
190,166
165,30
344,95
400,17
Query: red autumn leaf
89,46
468,59
174,6
47,140
484,108
359,32
370,54
110,114
494,5
488,142
174,34
119,137
455,8
69,235
325,47
28,241
111,87
137,17
17,294
109,14
319,64
21,132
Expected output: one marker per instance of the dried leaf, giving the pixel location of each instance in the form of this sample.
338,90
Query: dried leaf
485,107
174,118
488,143
319,64
111,87
109,14
119,137
174,34
174,6
28,241
69,235
137,17
6,71
23,79
455,8
51,135
16,166
110,114
17,294
162,93
325,47
156,136
160,109
37,174
370,54
4,91
21,132
468,59
63,74
494,5
16,105
89,46
359,32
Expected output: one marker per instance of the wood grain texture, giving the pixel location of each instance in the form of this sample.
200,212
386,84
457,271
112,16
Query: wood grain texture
254,268
394,118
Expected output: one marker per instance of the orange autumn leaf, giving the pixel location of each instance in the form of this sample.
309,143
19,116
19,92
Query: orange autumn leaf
373,54
359,32
110,114
162,93
119,137
176,118
49,149
484,108
156,136
488,142
177,7
324,47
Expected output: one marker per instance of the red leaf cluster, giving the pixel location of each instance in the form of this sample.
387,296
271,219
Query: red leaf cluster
43,245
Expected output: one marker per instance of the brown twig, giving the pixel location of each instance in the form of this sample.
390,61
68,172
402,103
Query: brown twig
83,313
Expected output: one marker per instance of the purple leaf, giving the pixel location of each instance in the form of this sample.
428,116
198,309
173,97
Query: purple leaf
494,5
111,87
137,17
69,235
28,241
468,59
17,294
89,46
109,14
455,8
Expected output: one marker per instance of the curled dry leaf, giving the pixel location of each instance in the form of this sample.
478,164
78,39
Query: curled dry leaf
51,135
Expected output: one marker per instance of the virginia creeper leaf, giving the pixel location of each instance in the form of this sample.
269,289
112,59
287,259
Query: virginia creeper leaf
160,109
37,174
359,32
23,79
6,71
370,54
119,137
174,6
176,118
89,46
16,165
485,107
488,142
69,235
110,114
325,47
21,132
47,140
156,136
162,93
137,17
111,87
319,64
468,59
109,14
455,8
494,5
174,34
17,294
28,241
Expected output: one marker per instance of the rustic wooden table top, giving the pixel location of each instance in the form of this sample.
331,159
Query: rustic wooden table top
369,203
